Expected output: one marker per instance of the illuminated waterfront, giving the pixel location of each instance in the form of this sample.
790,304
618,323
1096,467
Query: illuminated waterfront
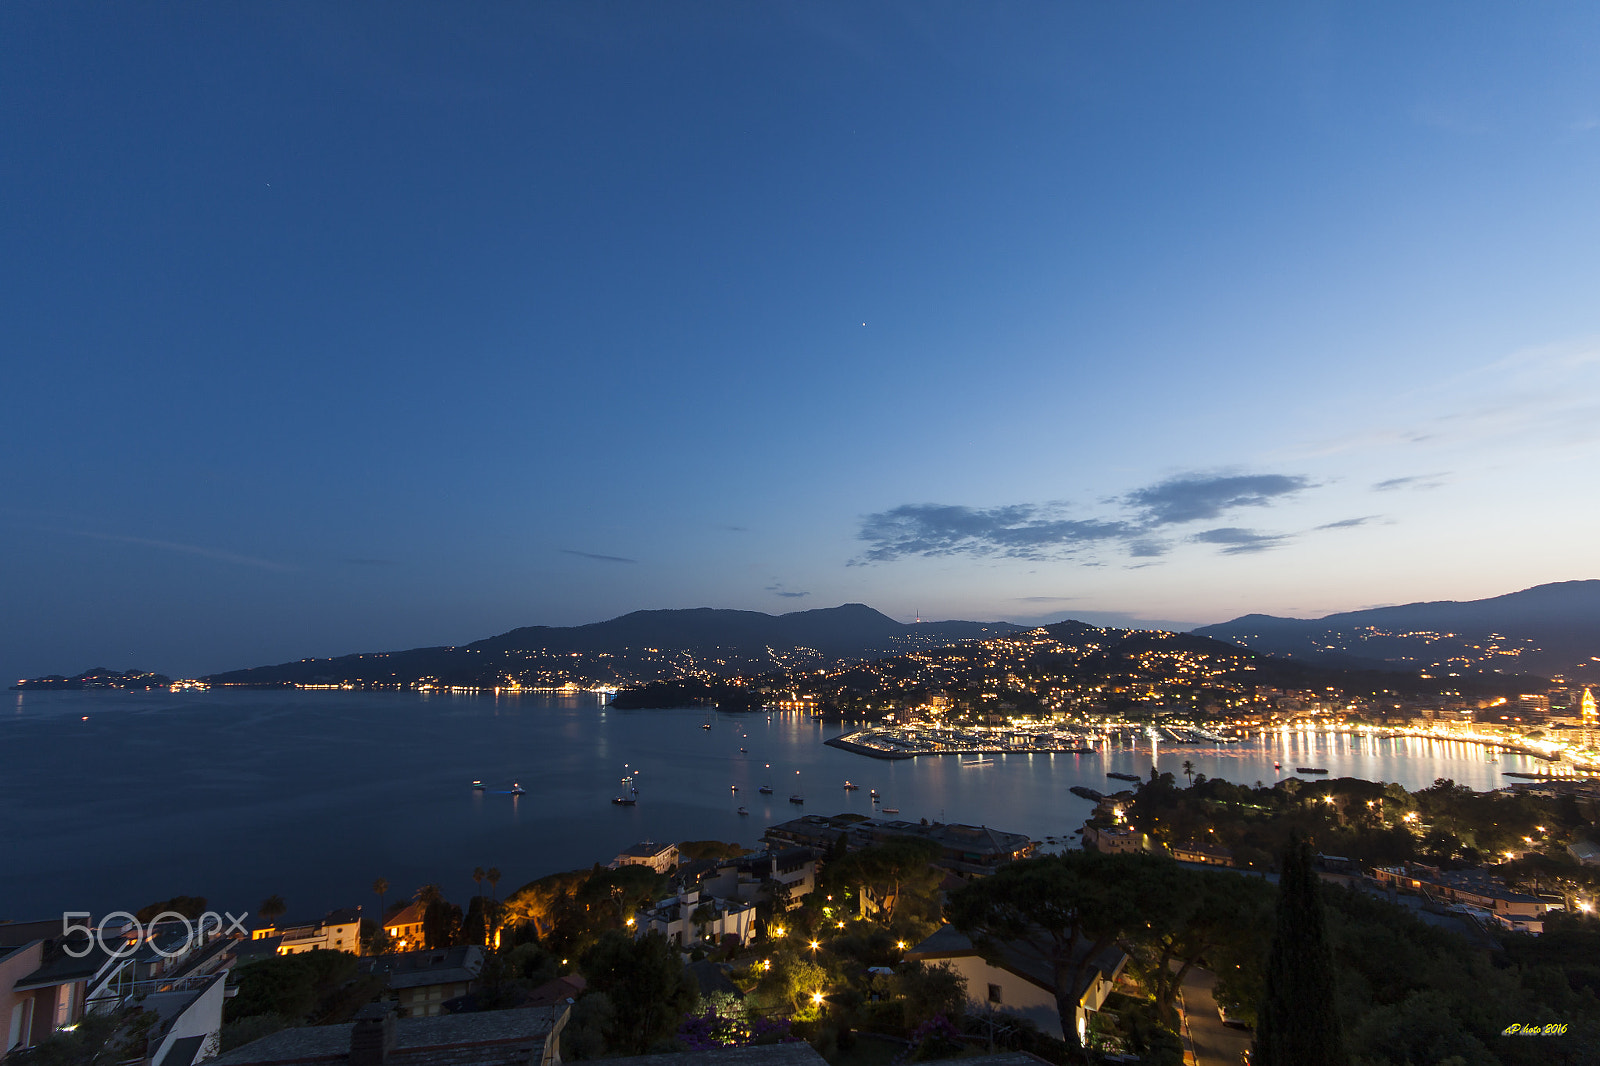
235,795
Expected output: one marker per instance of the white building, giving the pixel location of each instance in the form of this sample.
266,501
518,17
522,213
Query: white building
1021,981
690,918
788,873
659,857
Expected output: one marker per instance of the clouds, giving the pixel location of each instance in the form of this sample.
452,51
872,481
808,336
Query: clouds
1195,497
1417,482
1049,531
598,558
1018,531
1236,541
198,550
777,589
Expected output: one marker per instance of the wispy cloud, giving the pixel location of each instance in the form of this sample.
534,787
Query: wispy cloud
1045,599
200,551
1050,531
1197,497
1348,523
1417,482
592,555
1236,541
1018,531
777,589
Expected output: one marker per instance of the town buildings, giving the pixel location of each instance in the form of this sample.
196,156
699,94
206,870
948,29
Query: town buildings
1474,890
340,930
527,1036
1021,981
404,927
49,982
659,857
964,849
422,982
691,918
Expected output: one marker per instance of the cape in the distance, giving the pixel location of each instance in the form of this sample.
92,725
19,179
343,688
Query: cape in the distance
1551,630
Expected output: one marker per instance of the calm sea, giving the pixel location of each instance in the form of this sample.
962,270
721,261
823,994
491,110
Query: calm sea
113,800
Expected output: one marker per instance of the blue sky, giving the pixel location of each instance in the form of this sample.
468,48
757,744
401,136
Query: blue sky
340,328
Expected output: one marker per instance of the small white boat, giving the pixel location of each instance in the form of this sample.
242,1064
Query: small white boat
977,762
891,810
477,786
742,810
516,789
851,787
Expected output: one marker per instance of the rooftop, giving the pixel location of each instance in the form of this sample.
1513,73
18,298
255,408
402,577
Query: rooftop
419,969
1019,957
489,1038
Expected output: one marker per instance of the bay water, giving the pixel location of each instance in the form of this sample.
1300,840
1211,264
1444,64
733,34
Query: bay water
112,800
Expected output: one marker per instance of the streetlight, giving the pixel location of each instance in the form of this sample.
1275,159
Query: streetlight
814,945
816,999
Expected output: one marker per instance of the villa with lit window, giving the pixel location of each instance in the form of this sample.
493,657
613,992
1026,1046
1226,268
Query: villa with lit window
404,927
1021,981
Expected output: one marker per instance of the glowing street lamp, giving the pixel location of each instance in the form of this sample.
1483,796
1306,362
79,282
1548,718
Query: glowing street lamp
814,945
816,999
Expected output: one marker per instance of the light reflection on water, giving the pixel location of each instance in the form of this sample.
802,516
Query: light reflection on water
312,795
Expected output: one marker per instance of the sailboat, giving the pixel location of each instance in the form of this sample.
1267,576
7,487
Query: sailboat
628,794
800,793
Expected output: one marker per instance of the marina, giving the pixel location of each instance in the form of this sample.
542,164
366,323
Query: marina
314,759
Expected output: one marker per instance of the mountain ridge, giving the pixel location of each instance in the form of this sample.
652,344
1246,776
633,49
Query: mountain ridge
640,645
1551,629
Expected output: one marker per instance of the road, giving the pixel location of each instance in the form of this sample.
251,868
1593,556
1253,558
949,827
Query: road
1213,1043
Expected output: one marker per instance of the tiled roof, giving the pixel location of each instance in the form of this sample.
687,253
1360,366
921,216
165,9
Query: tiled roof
1019,957
420,969
488,1038
798,1053
411,914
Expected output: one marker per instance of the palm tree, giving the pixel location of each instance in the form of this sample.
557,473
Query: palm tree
272,908
477,876
381,887
1188,771
428,894
491,924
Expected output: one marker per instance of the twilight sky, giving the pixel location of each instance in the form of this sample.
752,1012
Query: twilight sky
335,328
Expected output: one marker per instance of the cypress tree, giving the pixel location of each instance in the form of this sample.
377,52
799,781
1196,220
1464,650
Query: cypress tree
1297,1023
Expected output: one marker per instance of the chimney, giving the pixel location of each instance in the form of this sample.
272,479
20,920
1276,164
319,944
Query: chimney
372,1037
